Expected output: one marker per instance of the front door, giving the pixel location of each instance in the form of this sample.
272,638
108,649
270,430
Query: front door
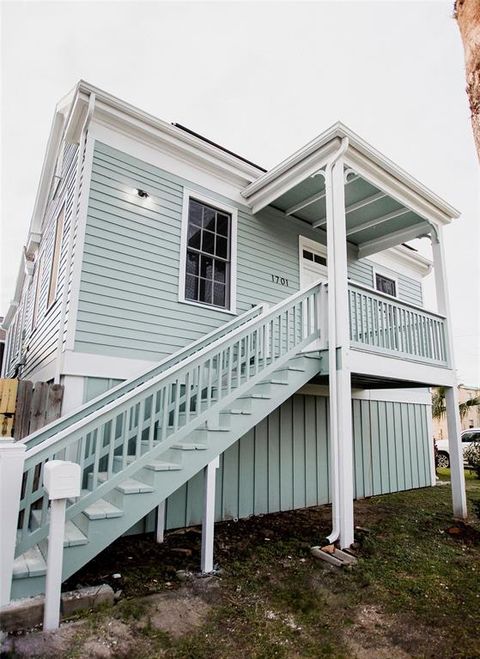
313,262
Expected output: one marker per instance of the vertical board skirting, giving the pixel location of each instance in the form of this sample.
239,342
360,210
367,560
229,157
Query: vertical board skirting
283,463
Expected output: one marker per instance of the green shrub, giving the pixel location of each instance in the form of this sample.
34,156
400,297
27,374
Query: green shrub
472,456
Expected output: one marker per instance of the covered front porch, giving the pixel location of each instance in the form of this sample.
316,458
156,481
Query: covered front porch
360,204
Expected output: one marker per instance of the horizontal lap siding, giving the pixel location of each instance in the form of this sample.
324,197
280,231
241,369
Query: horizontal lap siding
128,303
40,345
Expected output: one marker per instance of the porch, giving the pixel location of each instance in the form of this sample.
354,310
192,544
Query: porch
360,203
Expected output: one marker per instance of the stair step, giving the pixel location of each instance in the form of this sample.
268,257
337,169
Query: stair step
73,535
158,465
102,509
296,369
128,486
274,381
189,446
30,564
256,396
235,411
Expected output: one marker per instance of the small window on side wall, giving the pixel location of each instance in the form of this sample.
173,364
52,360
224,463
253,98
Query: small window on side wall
208,255
385,285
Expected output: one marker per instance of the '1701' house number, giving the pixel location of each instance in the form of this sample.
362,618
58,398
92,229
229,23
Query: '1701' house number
283,281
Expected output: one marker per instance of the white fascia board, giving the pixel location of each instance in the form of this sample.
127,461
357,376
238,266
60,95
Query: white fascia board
169,133
286,180
165,142
369,163
393,239
369,363
404,261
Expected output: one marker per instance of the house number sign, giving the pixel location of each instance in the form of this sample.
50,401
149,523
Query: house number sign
283,281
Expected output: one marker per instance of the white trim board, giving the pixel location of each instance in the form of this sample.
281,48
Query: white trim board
103,366
419,396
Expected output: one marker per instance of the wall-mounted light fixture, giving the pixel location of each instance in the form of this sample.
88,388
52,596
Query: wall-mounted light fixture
142,193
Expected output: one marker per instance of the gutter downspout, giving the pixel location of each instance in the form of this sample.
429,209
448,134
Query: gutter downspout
73,223
332,347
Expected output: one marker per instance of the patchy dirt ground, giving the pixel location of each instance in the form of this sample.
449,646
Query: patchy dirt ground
414,592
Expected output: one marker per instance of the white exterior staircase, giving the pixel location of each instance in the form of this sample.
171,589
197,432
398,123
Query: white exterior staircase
141,441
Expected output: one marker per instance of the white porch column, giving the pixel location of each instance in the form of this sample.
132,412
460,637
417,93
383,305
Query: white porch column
339,349
208,520
457,475
12,458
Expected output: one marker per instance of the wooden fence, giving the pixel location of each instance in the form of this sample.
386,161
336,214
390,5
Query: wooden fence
26,407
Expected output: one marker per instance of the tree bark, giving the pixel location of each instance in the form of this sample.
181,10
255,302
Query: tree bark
467,13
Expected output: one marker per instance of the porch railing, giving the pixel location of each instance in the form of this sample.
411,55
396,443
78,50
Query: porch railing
380,323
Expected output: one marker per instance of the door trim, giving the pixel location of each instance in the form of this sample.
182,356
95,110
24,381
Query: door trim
308,243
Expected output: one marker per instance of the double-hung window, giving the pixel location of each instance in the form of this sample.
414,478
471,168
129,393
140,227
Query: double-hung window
208,255
385,284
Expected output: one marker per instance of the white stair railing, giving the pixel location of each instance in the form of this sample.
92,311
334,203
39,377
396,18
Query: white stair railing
126,433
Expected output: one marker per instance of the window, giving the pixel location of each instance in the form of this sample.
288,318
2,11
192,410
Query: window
316,258
208,255
385,285
52,287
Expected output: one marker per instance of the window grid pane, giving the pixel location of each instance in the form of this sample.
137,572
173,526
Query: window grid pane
208,255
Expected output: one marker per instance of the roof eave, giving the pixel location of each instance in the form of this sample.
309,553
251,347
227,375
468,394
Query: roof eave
356,144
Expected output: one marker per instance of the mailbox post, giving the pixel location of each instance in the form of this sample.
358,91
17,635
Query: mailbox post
62,481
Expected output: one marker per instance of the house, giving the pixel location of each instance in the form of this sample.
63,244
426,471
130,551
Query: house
471,418
232,341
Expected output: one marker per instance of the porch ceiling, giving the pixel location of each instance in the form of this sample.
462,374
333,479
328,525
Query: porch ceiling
373,218
384,205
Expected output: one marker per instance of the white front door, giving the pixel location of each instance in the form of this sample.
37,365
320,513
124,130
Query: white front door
313,262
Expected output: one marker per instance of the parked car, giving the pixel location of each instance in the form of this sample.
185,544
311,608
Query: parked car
442,454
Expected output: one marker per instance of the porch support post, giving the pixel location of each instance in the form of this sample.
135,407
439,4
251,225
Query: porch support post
457,475
340,391
208,521
160,525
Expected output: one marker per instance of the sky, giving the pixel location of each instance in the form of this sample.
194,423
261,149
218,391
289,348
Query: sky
262,79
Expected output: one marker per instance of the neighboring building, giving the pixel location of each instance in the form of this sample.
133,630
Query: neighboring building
471,418
179,293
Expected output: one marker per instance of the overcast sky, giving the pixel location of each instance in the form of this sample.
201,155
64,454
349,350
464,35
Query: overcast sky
261,79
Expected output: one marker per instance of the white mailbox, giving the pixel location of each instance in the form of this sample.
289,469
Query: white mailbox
61,479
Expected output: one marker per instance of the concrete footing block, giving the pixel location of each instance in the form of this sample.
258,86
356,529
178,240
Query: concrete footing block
27,613
334,556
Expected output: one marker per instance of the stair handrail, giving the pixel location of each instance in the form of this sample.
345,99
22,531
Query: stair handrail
234,334
128,385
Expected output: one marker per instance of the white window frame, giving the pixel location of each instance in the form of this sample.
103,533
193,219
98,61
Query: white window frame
387,275
233,212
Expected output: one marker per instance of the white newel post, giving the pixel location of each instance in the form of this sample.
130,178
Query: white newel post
62,481
457,475
208,521
12,458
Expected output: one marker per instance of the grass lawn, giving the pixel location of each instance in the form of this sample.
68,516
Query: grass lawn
415,591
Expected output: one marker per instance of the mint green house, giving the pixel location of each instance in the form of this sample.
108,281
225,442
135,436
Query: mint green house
232,341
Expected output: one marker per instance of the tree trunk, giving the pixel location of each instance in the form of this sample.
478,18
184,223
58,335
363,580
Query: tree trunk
467,13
